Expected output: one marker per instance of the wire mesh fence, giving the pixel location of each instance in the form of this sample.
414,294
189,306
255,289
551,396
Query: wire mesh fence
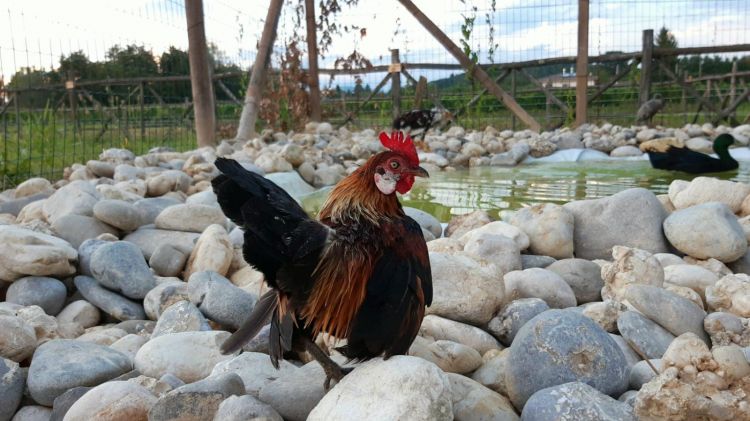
131,89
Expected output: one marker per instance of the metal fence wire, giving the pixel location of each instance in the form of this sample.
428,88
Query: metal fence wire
72,85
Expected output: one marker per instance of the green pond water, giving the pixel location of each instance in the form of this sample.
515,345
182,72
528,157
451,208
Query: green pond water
449,193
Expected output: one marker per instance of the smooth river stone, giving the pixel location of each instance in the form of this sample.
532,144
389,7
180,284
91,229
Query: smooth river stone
676,314
651,339
109,302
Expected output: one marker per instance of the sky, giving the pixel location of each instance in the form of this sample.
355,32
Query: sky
35,33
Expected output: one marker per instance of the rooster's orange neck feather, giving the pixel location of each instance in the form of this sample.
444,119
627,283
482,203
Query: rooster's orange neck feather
357,197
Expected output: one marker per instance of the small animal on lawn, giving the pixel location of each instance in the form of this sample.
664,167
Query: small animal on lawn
419,121
648,109
361,272
683,159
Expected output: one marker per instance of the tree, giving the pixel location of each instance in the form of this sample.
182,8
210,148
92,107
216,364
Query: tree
31,78
174,62
132,61
77,66
666,39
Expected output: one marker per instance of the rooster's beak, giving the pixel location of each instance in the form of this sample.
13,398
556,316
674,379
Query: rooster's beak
420,172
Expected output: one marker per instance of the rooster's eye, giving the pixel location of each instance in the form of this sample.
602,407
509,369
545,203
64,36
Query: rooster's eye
394,164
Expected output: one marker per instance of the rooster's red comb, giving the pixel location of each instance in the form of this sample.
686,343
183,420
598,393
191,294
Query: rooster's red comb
404,145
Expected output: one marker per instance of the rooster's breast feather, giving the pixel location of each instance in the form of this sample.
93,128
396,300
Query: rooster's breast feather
398,289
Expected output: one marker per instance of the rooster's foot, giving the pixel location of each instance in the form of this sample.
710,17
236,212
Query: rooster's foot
336,373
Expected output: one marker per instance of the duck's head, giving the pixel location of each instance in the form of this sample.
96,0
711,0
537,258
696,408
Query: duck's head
723,142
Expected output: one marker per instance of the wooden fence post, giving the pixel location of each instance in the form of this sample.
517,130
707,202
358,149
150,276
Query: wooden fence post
312,58
141,106
470,66
246,129
733,83
70,86
200,74
646,68
513,93
582,63
420,91
395,71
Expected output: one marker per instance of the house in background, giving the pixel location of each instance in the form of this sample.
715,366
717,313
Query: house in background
565,80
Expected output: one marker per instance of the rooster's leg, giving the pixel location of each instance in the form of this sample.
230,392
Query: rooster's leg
332,370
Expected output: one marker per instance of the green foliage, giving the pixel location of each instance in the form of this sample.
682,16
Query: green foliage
666,39
174,62
131,61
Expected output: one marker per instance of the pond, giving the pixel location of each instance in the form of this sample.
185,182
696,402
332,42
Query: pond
449,193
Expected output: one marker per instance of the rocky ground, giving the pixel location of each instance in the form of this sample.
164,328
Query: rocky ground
119,282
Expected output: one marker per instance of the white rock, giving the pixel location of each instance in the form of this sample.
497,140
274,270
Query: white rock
112,401
425,220
78,197
292,183
604,313
447,245
437,328
168,181
472,401
244,408
81,312
191,218
461,224
271,162
400,388
625,151
601,224
492,373
328,176
255,370
700,144
691,276
129,344
668,259
730,294
732,362
213,251
17,338
498,250
708,189
549,228
630,266
104,336
26,252
539,283
324,128
463,289
34,186
33,212
709,230
499,228
294,154
688,350
33,413
450,356
191,356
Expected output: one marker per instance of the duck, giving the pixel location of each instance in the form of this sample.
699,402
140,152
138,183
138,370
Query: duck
683,159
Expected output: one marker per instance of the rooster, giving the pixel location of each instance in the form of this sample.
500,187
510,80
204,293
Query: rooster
419,121
360,273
